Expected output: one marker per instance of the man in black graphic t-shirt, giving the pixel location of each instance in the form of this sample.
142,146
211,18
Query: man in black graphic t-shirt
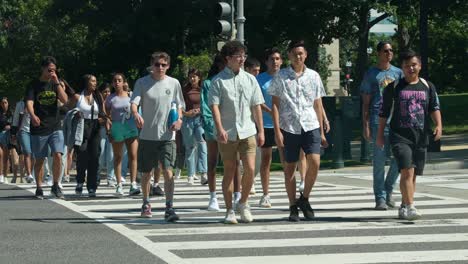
409,102
42,101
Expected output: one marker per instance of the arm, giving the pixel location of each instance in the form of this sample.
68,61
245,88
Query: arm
62,95
35,121
380,140
222,134
437,118
265,108
326,123
366,98
138,119
178,124
257,110
318,107
275,115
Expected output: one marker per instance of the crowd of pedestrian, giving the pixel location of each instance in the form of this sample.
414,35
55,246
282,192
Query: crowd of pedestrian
236,113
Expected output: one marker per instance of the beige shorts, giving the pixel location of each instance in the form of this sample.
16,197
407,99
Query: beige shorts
229,150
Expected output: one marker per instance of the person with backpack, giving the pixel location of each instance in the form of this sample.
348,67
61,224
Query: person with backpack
409,103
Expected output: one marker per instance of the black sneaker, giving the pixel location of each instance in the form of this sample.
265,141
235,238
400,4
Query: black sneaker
293,214
39,194
79,189
306,209
91,193
56,192
156,191
170,215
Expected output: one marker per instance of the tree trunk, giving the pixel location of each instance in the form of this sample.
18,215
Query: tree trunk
361,62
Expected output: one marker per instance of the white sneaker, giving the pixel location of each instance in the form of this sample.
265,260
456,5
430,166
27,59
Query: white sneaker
252,191
191,180
50,181
413,213
122,180
60,185
265,201
2,179
119,190
301,186
246,216
177,174
66,178
111,183
402,212
230,217
195,177
213,205
30,179
204,179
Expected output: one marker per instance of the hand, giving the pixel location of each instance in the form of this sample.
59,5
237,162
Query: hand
366,132
54,78
437,133
324,142
35,120
260,138
326,126
176,125
139,121
190,113
7,127
222,136
279,140
380,141
196,111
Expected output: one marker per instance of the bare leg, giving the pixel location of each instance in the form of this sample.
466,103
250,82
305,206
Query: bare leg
265,169
230,168
117,148
248,161
212,161
132,147
313,162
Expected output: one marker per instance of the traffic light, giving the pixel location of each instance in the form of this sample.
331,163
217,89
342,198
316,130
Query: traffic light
223,13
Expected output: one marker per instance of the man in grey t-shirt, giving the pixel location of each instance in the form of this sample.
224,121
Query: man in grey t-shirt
155,93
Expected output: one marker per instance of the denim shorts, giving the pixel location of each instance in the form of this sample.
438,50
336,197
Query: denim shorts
4,138
25,142
40,144
309,142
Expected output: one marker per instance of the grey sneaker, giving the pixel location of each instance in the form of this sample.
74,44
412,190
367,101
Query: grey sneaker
79,189
413,213
390,201
402,212
56,192
119,190
381,205
204,179
92,193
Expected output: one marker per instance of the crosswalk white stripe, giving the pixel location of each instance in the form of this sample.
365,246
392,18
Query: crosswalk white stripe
253,204
304,227
346,258
353,214
314,241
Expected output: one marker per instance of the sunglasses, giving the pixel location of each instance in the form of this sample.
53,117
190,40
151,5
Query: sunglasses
388,50
157,64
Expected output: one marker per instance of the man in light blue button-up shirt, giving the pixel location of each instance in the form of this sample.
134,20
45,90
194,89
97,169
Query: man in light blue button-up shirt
235,98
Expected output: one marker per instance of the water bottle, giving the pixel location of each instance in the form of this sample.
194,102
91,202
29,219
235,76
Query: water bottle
173,115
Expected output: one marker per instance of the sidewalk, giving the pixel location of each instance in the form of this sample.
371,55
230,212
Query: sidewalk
453,155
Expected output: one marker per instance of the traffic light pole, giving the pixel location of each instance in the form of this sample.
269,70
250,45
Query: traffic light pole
240,20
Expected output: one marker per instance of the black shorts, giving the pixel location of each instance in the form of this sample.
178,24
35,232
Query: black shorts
309,142
269,138
409,156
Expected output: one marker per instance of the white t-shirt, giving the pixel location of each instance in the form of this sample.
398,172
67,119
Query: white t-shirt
85,108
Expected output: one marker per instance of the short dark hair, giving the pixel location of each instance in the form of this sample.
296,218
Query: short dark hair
104,86
232,47
269,52
251,62
160,55
408,55
216,66
381,44
296,43
46,60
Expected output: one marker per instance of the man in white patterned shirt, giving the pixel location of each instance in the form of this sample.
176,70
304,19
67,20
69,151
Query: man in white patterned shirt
297,120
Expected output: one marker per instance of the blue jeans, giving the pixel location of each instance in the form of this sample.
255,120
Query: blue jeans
192,134
106,159
383,185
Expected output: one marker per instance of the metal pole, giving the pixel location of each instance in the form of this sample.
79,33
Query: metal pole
240,20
